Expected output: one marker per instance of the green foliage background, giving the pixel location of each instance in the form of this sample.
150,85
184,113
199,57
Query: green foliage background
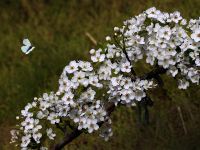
57,30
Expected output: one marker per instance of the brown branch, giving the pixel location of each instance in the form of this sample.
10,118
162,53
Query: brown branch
154,73
75,133
67,139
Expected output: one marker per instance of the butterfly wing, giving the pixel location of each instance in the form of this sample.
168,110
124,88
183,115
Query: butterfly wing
27,42
29,50
24,49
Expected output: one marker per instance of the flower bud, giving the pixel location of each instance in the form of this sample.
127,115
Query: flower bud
92,51
116,29
108,38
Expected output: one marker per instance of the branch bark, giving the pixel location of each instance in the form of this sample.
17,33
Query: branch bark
75,133
154,73
67,139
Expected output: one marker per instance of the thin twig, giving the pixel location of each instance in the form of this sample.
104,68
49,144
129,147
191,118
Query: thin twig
182,120
91,38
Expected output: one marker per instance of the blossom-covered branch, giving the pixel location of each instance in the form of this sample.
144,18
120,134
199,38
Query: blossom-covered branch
76,132
89,91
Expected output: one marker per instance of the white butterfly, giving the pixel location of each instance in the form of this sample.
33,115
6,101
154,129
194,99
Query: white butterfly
27,47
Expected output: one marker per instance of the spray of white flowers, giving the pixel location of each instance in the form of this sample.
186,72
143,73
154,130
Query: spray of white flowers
89,91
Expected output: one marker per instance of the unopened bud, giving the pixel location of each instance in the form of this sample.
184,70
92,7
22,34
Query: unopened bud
116,29
108,38
117,54
92,51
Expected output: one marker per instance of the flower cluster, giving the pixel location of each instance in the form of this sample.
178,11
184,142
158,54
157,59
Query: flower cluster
166,40
32,122
85,109
124,90
163,40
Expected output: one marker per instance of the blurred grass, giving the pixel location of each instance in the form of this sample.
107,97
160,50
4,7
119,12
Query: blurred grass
57,30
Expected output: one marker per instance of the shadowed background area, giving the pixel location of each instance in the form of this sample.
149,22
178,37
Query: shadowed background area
57,30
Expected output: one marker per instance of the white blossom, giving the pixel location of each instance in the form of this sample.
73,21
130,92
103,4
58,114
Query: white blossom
50,134
196,35
73,66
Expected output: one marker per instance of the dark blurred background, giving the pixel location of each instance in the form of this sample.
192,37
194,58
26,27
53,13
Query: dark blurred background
57,30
